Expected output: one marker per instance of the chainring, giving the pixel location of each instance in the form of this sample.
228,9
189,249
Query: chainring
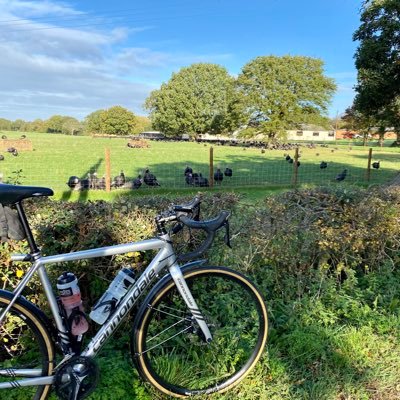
78,374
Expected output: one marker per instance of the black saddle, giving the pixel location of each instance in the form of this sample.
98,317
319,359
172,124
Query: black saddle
11,194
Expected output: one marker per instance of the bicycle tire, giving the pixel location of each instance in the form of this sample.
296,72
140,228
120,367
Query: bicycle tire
179,365
25,342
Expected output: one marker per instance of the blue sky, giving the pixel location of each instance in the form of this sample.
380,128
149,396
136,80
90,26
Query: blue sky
73,57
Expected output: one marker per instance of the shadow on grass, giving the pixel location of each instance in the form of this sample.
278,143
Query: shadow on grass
83,194
257,171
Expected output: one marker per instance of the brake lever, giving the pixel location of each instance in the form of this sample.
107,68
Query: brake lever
227,237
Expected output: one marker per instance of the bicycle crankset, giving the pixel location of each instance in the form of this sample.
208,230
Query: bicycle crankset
76,378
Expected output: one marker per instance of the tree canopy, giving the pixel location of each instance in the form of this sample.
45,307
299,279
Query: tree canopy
55,123
281,93
116,120
71,126
196,100
377,58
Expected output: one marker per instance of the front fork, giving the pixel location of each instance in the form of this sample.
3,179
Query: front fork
184,290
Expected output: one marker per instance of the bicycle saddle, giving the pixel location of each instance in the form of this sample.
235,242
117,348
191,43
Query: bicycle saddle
11,194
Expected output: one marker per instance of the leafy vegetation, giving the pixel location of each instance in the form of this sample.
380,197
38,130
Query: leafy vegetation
326,260
281,93
377,61
116,120
196,100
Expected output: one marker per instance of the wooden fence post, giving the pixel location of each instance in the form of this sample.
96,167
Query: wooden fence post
108,170
211,166
369,164
295,167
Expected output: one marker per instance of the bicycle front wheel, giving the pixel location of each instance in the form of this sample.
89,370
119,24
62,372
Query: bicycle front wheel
26,351
171,352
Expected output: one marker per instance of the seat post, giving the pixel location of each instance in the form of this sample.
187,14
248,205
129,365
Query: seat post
27,229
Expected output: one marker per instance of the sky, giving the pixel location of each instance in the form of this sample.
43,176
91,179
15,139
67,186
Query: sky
75,57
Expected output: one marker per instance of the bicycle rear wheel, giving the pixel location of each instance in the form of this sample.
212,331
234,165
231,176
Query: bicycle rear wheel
26,351
170,350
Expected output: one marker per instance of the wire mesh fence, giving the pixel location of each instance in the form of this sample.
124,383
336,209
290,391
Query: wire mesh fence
53,159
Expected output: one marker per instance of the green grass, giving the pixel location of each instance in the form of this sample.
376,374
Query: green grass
56,157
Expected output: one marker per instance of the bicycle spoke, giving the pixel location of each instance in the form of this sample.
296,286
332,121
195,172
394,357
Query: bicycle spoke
166,329
171,315
166,340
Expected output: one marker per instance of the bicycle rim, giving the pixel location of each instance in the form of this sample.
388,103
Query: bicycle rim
171,351
24,344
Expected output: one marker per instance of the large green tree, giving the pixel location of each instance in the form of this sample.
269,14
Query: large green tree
197,99
378,60
92,122
71,126
54,123
116,120
281,93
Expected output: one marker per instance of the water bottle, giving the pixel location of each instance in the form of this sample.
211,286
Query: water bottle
70,295
117,289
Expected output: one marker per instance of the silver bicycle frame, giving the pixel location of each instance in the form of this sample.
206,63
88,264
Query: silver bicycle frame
165,258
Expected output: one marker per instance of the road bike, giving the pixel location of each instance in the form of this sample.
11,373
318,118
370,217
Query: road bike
199,330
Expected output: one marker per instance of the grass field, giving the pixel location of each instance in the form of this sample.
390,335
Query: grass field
57,157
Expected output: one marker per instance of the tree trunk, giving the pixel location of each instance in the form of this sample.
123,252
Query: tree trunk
365,139
381,137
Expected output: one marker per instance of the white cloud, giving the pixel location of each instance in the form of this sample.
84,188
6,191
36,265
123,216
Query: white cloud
47,68
22,9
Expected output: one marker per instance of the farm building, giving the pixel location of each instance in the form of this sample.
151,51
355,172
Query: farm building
309,135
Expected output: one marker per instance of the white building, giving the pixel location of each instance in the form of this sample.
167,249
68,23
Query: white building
309,135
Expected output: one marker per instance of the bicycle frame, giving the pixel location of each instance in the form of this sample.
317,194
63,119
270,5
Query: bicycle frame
165,258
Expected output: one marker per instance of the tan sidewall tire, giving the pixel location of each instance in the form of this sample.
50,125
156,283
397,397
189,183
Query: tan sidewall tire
168,285
47,340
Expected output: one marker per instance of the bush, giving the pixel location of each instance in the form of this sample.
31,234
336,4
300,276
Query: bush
63,227
326,228
326,260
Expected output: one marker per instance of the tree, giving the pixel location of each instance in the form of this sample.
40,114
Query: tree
71,126
54,124
117,120
281,93
142,124
362,123
377,58
195,100
38,125
92,122
18,125
5,124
